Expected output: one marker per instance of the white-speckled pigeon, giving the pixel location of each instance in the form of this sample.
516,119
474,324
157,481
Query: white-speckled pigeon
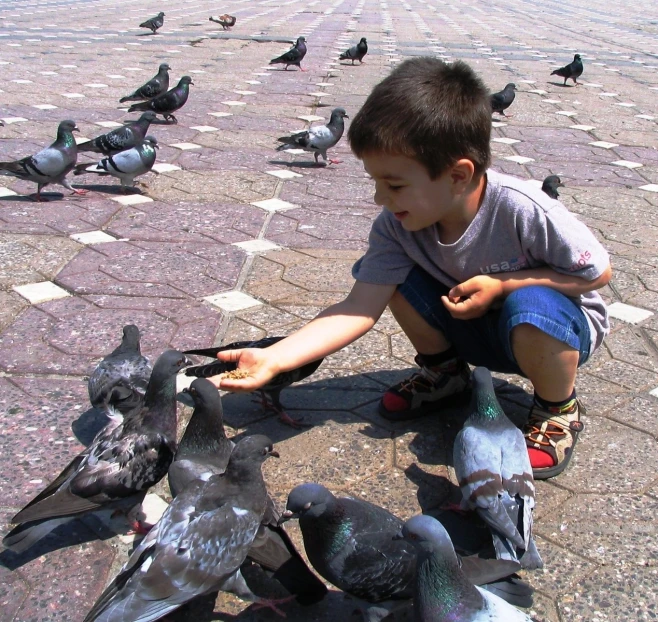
494,473
126,137
119,466
442,592
550,186
226,21
157,85
294,56
502,100
51,165
154,22
167,103
356,52
573,70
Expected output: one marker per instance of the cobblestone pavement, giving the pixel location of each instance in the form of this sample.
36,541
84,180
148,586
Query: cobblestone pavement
226,214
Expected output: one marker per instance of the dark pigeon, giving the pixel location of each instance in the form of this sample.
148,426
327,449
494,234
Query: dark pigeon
356,52
116,470
550,186
128,136
502,100
573,70
272,389
494,473
51,165
154,23
318,139
198,545
157,85
442,592
294,56
167,103
226,21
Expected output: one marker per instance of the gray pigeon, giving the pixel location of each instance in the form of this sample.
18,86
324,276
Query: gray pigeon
126,137
51,165
317,140
154,22
356,52
494,473
294,56
167,103
550,186
198,545
115,471
502,100
155,86
442,592
226,21
125,165
573,70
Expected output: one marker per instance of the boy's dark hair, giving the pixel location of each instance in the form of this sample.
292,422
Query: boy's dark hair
430,111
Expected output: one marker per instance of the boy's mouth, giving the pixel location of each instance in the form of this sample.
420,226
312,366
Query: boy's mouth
400,215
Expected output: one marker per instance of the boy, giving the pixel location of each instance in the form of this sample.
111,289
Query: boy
476,267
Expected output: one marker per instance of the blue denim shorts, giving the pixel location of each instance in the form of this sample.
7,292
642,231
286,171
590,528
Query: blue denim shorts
485,341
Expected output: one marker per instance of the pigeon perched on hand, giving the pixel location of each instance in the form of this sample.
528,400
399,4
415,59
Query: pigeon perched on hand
121,138
167,103
442,592
154,22
293,56
494,473
157,85
502,100
356,52
573,70
226,21
550,186
318,139
51,165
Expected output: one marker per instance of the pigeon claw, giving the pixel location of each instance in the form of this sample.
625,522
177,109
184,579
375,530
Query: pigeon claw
79,191
271,603
297,424
335,161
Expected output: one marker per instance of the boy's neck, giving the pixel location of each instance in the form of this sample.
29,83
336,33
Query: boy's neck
453,227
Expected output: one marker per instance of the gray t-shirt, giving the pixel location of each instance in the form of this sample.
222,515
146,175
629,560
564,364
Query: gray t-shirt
518,227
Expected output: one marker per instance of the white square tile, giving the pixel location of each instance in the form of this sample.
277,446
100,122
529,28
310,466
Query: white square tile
627,164
44,106
648,117
73,95
585,128
498,124
608,94
284,174
603,144
92,237
164,167
310,117
654,392
132,199
6,192
232,301
567,113
519,159
204,128
324,84
10,120
234,103
506,141
593,85
538,91
96,85
185,146
317,94
221,114
625,104
41,292
274,205
650,187
108,124
628,313
245,92
295,151
256,246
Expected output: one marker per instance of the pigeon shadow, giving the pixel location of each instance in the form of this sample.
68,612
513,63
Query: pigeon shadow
114,189
561,84
89,424
302,164
47,197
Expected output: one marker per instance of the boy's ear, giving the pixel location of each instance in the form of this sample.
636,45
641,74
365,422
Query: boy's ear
462,173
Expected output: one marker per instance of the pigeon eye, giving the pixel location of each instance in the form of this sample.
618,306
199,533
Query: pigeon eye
308,506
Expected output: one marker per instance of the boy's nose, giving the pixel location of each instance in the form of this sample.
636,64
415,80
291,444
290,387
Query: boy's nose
380,196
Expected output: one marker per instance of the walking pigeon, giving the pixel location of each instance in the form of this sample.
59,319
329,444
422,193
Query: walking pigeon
115,471
226,21
318,139
125,165
158,84
167,103
198,545
550,186
272,389
502,100
293,56
494,473
442,592
50,165
154,22
356,52
573,70
121,138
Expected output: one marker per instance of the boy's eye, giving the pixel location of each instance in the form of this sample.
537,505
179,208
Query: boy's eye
391,187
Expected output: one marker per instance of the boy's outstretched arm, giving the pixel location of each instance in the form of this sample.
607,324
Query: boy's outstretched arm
332,329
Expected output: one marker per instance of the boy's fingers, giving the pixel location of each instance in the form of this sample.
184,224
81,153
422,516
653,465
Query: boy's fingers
230,356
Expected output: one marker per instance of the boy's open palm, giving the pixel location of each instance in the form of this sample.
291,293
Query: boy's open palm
473,298
254,361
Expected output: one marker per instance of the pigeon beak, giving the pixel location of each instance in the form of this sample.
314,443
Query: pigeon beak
75,129
285,517
273,453
560,185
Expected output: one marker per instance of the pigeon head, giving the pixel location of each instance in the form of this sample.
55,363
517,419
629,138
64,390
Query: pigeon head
67,126
149,116
131,335
428,535
204,394
554,181
576,56
161,14
153,141
363,40
339,113
484,401
256,448
169,363
306,499
164,67
185,80
510,86
300,40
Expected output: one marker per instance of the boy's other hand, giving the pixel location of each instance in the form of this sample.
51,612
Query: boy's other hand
473,298
254,362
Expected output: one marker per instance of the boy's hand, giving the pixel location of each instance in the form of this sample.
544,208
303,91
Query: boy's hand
253,361
473,298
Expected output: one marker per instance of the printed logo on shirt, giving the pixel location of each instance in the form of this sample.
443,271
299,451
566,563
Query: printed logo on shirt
518,263
583,260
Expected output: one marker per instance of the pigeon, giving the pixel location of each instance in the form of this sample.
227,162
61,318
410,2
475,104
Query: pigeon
318,138
573,70
350,542
121,378
158,84
129,135
226,21
502,100
550,186
115,471
442,592
272,389
167,103
125,165
51,165
198,545
356,52
494,473
293,56
154,23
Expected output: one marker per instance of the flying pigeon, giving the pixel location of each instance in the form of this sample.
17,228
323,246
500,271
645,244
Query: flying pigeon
502,100
154,23
198,545
226,21
115,471
125,165
158,84
272,389
319,138
356,52
121,378
494,473
573,70
167,103
293,56
442,592
50,165
550,186
129,135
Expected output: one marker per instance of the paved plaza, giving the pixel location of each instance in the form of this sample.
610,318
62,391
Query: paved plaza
231,239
